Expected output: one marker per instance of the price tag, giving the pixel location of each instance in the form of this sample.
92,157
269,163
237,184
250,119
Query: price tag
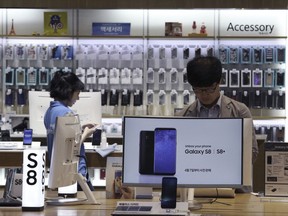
33,190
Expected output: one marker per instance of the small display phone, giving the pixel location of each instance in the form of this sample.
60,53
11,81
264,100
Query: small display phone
96,138
27,136
169,192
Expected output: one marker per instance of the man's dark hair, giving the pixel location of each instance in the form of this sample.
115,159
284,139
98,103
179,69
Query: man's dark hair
203,71
64,84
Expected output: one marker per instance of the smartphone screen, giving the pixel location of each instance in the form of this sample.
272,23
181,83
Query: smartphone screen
146,152
96,138
169,192
165,151
27,137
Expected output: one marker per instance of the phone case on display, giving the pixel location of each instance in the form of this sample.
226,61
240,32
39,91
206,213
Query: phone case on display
162,53
257,78
9,97
234,78
280,131
280,100
280,55
223,55
246,56
258,130
234,95
198,52
269,133
257,102
21,100
104,97
269,55
138,98
125,98
9,76
210,51
257,55
234,56
114,96
246,78
246,98
150,53
43,76
186,53
20,76
269,78
174,54
280,78
270,99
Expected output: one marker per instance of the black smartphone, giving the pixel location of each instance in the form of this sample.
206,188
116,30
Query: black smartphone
146,152
165,151
27,136
169,192
96,137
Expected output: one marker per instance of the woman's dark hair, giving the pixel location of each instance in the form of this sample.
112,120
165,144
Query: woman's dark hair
64,84
203,71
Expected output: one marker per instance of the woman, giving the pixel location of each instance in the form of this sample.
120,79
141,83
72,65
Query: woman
65,88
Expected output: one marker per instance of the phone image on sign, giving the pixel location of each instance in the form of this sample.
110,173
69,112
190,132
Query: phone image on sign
165,151
169,192
27,137
146,152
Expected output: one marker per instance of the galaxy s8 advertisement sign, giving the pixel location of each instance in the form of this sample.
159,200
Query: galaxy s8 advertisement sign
196,151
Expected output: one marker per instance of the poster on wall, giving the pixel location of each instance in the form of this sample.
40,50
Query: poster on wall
55,23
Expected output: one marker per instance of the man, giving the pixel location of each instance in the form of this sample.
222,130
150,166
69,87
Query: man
204,75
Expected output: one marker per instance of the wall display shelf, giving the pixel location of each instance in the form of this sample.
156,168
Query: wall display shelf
143,72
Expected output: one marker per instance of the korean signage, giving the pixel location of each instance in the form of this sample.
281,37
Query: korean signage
106,29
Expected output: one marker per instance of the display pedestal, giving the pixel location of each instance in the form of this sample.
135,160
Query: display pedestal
187,195
143,193
89,200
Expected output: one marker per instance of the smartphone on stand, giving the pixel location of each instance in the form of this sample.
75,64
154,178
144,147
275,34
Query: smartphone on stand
169,192
27,136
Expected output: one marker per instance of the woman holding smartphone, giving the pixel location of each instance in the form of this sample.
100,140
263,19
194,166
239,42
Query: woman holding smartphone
65,88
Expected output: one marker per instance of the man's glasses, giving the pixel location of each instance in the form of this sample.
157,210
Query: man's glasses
208,90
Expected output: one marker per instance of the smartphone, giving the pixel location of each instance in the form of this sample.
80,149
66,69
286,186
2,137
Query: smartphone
169,192
96,137
118,179
146,152
27,137
165,151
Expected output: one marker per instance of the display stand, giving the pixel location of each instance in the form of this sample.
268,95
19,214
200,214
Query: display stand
143,192
187,195
89,200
